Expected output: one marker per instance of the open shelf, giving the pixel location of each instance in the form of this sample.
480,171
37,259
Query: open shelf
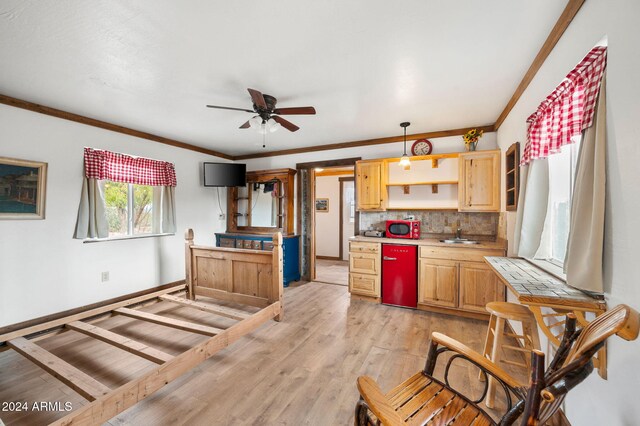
452,208
512,176
442,182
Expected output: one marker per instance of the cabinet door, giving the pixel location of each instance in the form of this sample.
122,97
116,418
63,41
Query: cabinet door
479,181
365,285
364,263
438,282
478,286
370,191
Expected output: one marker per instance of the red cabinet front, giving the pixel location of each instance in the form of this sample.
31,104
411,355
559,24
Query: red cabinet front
400,275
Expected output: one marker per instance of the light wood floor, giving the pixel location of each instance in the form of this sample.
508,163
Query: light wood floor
332,271
301,371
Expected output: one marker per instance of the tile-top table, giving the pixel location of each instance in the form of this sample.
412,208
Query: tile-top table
538,289
533,286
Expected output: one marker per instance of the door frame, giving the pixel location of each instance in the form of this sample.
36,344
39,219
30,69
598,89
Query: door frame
310,166
356,225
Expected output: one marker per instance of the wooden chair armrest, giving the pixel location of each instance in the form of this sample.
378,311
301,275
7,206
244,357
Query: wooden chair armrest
377,402
474,356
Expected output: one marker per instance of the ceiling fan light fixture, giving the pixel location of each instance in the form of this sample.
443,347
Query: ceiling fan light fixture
405,163
272,125
256,122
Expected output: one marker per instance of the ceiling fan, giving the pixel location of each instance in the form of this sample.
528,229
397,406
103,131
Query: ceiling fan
265,108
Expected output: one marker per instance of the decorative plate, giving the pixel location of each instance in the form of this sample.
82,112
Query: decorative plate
421,147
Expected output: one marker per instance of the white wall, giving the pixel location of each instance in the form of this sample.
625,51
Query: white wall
596,401
328,224
43,270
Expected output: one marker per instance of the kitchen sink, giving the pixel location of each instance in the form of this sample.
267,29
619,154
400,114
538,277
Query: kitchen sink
459,241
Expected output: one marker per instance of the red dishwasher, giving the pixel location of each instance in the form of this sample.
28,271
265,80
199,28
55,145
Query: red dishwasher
400,275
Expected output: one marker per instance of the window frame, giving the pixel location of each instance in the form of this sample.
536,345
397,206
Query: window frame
130,218
552,265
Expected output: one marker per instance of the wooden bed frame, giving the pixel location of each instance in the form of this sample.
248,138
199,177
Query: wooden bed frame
250,277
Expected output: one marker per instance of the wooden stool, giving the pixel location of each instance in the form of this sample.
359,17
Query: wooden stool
493,345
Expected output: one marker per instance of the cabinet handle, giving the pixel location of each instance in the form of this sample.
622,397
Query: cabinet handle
388,258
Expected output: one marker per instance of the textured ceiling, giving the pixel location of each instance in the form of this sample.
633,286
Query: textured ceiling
365,65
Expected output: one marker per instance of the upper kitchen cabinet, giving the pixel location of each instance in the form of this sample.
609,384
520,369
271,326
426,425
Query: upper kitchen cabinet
479,181
370,185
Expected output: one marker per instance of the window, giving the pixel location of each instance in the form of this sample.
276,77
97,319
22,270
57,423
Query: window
562,168
129,209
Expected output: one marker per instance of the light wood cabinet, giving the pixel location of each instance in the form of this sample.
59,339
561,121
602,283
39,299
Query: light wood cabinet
479,181
365,269
456,280
365,285
479,285
370,185
364,263
438,282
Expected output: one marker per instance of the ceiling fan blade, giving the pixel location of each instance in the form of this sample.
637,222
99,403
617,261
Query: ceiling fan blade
257,98
246,125
295,111
286,124
234,109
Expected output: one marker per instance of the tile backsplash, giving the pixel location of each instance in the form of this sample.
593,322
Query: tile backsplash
436,222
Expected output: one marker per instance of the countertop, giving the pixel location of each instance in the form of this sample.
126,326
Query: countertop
533,286
495,245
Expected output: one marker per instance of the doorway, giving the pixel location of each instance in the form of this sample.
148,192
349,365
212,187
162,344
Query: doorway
334,223
306,209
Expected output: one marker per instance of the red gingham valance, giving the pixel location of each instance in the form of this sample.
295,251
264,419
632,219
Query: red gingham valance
99,164
568,110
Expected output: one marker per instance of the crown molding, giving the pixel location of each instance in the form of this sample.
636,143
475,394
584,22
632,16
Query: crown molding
65,115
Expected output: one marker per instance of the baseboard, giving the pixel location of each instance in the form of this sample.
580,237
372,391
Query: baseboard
74,311
328,257
454,311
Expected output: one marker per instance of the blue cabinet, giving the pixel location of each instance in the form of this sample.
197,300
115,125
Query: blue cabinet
290,249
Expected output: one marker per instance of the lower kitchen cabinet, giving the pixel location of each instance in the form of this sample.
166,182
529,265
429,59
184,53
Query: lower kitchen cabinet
365,269
364,263
364,285
457,286
479,285
438,282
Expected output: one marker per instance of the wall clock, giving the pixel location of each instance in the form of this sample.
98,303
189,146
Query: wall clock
421,147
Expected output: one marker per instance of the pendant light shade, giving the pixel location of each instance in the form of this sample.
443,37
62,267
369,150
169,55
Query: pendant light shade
405,163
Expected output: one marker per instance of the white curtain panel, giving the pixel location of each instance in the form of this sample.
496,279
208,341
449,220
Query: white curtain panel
583,262
164,210
92,217
533,199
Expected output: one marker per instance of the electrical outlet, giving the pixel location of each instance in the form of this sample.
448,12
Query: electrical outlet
222,216
104,276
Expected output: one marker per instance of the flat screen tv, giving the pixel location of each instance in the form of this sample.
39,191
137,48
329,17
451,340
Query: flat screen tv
225,174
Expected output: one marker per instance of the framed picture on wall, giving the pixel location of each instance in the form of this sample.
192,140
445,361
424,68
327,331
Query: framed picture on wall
22,189
322,205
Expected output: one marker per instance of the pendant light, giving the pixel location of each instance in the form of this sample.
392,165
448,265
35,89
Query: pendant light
404,161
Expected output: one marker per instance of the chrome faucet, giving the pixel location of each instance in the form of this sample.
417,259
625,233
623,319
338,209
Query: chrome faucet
458,233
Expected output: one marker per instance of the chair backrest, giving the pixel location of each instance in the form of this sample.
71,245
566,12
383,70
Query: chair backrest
573,361
621,320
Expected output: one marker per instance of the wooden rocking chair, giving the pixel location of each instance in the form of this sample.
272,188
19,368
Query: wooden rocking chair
423,399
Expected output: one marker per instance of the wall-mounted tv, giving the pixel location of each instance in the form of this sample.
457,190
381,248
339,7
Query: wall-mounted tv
225,174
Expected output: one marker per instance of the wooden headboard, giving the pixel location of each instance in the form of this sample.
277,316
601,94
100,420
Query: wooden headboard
251,277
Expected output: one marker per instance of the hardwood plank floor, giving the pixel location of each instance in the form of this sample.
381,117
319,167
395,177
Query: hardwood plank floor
332,271
299,371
